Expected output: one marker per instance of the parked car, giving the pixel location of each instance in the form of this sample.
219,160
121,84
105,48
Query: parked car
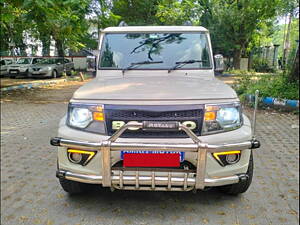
21,67
155,118
51,67
4,64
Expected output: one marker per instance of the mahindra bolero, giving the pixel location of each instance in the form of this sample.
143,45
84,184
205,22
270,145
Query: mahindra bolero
155,118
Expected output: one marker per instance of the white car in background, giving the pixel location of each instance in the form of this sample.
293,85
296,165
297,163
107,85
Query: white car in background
21,67
4,64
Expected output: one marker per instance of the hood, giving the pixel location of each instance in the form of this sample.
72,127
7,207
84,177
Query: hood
154,88
19,65
42,65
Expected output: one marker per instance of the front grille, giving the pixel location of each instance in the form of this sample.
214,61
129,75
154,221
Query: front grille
178,113
35,69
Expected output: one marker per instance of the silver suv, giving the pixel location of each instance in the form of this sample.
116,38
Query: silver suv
155,118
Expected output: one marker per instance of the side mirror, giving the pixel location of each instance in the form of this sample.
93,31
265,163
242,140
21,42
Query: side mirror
58,63
219,63
91,63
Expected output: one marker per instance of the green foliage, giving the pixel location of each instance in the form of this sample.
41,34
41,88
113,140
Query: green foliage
63,20
262,65
273,85
136,12
173,12
12,25
234,24
277,36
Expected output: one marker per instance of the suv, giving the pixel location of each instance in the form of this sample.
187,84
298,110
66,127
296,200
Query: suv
22,65
155,118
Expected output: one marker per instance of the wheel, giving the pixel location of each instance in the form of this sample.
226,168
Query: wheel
242,186
26,73
54,74
73,187
71,72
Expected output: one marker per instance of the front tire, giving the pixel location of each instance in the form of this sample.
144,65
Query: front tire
242,186
54,74
73,187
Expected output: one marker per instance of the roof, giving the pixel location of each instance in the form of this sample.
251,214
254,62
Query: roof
154,29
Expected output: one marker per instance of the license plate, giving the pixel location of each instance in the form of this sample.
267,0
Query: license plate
151,158
13,71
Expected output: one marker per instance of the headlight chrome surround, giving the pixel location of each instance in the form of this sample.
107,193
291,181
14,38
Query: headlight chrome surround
93,119
222,117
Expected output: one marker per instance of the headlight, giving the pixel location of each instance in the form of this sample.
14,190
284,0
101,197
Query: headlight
80,117
86,117
221,118
45,68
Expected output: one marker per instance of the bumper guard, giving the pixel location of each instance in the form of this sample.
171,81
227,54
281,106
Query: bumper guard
153,180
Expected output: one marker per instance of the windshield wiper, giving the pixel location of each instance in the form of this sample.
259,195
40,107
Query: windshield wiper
139,63
179,64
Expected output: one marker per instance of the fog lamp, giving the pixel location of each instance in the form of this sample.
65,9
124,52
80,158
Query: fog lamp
75,157
227,158
231,159
80,156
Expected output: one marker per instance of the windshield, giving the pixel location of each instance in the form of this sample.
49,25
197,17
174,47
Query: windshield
119,51
24,61
48,61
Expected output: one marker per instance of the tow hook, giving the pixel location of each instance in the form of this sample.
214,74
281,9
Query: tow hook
243,177
60,174
255,144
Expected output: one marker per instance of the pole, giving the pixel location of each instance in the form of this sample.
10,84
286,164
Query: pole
254,113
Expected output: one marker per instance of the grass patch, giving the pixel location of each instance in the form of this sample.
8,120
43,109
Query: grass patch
271,85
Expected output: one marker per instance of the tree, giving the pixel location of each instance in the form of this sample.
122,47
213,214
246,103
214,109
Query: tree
12,27
136,12
235,23
173,12
232,23
64,21
104,17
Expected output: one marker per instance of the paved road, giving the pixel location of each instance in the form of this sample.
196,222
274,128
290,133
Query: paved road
30,193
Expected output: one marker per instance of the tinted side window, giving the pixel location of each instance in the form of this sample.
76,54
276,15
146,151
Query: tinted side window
37,60
61,61
2,63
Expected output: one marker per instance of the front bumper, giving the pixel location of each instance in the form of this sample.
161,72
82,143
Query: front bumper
39,74
140,179
173,182
17,72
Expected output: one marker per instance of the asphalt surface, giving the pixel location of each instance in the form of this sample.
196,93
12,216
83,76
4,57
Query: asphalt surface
30,193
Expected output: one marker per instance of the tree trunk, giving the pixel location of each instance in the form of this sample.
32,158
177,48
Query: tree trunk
59,47
287,41
23,50
237,58
294,74
46,41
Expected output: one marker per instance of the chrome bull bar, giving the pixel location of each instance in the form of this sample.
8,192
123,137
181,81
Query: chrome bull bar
189,181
